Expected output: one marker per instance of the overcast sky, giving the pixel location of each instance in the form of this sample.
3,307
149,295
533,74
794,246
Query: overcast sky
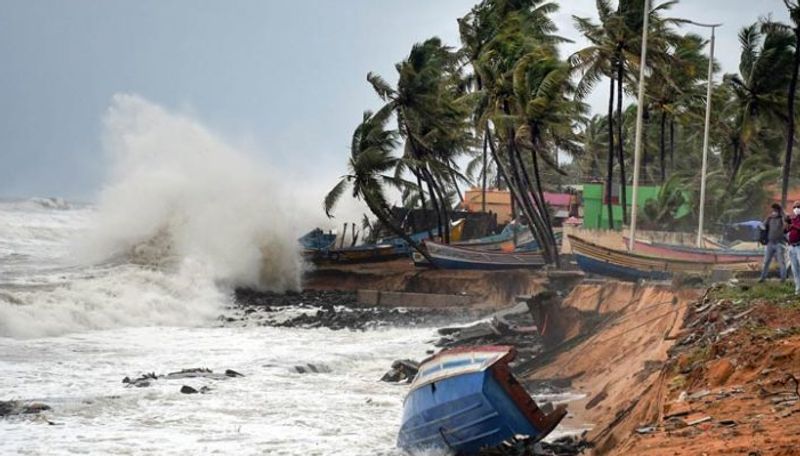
286,78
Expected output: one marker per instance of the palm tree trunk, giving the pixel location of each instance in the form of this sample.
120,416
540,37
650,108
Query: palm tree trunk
672,143
518,197
537,224
444,206
381,214
623,194
422,200
455,183
551,238
434,202
483,188
787,160
610,171
663,147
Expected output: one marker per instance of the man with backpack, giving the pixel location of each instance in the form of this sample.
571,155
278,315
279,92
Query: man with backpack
793,236
773,232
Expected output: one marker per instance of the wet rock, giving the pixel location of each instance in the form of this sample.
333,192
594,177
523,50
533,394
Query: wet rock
142,381
185,389
9,408
403,370
312,369
564,446
146,380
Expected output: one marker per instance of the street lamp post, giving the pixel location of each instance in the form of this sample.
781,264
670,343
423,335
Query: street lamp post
705,133
637,150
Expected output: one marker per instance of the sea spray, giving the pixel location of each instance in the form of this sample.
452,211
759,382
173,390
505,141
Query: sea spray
183,218
177,190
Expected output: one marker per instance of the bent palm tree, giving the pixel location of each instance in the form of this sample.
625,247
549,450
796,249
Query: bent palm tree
370,159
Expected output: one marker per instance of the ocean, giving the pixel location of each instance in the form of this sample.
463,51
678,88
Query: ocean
70,333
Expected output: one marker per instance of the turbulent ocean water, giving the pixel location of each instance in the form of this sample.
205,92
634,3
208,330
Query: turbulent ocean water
70,333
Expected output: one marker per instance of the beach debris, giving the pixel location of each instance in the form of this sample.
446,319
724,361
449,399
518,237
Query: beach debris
8,408
646,429
565,446
702,420
403,370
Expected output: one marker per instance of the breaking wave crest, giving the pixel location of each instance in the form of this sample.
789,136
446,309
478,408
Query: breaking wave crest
183,218
177,191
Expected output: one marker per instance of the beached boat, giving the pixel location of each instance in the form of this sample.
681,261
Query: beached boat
466,399
458,257
402,248
596,259
317,239
685,252
360,254
496,241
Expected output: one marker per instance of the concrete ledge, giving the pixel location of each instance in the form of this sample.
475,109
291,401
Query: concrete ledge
403,299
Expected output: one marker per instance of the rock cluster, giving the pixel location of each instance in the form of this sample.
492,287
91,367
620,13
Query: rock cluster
147,379
9,408
403,370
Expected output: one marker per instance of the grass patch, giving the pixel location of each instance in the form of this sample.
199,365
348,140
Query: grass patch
773,291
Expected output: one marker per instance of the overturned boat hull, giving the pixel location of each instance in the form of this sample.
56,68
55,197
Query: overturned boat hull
466,399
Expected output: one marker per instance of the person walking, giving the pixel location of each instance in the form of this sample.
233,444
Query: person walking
775,226
793,236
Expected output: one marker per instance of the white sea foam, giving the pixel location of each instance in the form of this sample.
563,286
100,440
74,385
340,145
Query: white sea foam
180,191
183,218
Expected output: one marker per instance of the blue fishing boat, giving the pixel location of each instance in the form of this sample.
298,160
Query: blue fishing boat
457,257
317,239
466,399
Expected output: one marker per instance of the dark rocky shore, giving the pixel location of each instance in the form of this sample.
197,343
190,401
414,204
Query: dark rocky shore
329,309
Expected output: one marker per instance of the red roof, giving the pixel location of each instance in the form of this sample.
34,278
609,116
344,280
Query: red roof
558,199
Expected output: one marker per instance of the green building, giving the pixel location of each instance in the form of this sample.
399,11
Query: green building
595,212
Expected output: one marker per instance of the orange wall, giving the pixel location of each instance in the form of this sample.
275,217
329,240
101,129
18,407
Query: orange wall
497,201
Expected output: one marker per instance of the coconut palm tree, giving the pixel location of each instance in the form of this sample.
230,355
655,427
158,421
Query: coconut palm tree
794,15
432,117
675,85
370,160
520,28
758,92
613,52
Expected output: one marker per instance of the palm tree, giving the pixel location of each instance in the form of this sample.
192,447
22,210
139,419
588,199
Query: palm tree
758,91
794,15
613,52
520,28
432,118
370,159
674,86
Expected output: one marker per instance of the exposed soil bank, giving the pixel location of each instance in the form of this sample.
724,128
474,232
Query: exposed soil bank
730,384
613,339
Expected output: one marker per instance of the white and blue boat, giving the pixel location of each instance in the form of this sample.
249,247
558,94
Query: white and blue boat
466,399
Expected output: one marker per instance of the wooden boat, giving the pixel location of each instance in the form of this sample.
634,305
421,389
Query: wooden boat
360,254
495,241
685,252
317,239
466,399
403,249
457,257
595,259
